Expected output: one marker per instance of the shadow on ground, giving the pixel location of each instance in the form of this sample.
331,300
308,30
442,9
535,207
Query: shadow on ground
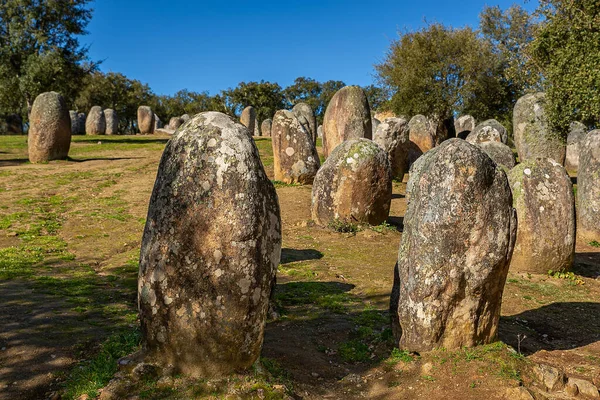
293,255
557,326
587,264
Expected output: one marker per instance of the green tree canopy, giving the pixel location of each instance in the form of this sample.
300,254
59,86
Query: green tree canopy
440,70
567,48
39,50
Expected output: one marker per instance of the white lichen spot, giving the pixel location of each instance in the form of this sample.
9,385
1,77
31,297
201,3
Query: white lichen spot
244,285
356,155
212,142
218,256
256,295
205,186
218,273
542,208
290,151
167,300
527,171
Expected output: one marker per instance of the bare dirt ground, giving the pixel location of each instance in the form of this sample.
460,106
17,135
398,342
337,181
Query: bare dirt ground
70,234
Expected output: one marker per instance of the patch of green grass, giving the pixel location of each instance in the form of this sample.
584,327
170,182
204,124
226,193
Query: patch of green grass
354,351
329,296
94,374
279,184
400,356
569,276
342,226
594,243
19,261
383,228
297,270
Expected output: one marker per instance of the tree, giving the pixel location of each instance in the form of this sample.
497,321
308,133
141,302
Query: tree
377,96
317,95
440,70
39,50
265,97
567,48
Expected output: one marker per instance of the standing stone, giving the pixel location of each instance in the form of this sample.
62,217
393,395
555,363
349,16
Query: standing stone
543,197
464,125
375,124
500,153
112,122
256,128
157,123
588,188
295,158
145,119
307,118
74,116
392,135
354,185
348,116
455,250
421,135
577,132
49,129
320,131
533,137
185,118
248,118
265,127
81,121
210,250
175,123
95,124
487,131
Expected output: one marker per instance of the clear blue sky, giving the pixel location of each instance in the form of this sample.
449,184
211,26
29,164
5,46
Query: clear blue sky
202,45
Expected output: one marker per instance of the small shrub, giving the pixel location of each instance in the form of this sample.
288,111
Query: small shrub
342,226
594,243
569,276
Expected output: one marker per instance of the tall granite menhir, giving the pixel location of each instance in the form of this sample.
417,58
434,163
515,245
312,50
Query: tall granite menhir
588,189
459,232
210,250
347,116
50,129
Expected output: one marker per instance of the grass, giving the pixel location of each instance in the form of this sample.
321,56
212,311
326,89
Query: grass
95,373
343,226
595,243
328,296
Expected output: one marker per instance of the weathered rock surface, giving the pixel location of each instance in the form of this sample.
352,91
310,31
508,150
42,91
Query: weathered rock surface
145,120
265,127
185,118
488,131
164,131
82,118
392,135
421,135
256,128
320,131
95,124
210,250
50,129
375,124
464,125
295,158
112,122
588,188
74,117
157,122
353,185
500,153
347,116
307,118
175,123
543,197
577,132
458,237
248,119
533,137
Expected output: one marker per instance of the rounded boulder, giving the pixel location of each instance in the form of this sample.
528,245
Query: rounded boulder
265,127
577,132
354,185
533,137
347,116
145,120
500,153
421,136
49,129
588,188
543,197
455,250
307,118
95,124
392,135
175,123
248,118
488,131
112,122
210,250
295,158
464,125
